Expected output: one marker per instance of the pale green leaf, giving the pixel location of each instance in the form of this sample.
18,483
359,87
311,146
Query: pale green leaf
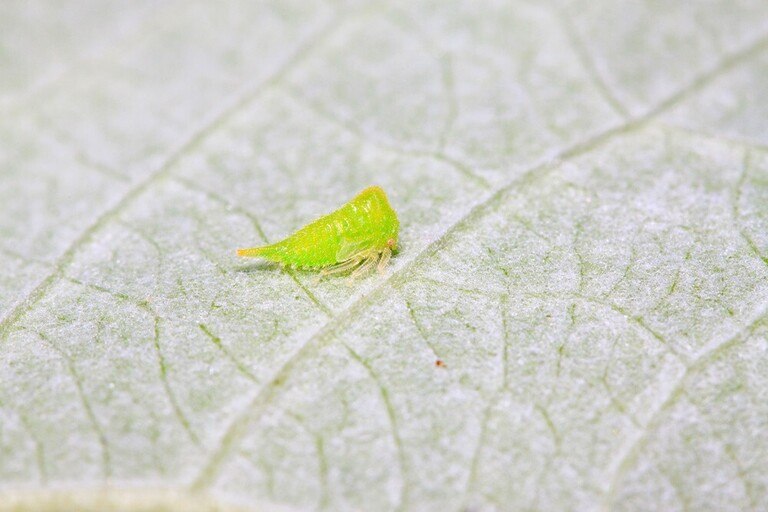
583,193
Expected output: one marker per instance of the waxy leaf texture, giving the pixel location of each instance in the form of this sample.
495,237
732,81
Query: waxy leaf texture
582,187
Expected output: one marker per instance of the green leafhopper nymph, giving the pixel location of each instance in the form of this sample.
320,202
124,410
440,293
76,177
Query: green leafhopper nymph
357,237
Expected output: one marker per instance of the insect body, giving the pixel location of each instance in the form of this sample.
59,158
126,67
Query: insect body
359,235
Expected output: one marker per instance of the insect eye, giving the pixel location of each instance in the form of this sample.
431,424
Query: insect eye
391,243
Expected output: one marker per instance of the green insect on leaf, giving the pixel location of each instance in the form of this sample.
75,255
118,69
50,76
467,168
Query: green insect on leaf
357,237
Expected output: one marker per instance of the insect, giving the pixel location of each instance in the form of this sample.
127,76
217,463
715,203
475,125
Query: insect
357,237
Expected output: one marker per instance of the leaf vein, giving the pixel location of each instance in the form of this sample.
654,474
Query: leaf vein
210,126
237,428
697,364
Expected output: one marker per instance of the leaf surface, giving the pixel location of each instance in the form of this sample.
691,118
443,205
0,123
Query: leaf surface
577,318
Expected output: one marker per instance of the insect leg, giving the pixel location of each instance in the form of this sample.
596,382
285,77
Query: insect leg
386,254
340,268
366,267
